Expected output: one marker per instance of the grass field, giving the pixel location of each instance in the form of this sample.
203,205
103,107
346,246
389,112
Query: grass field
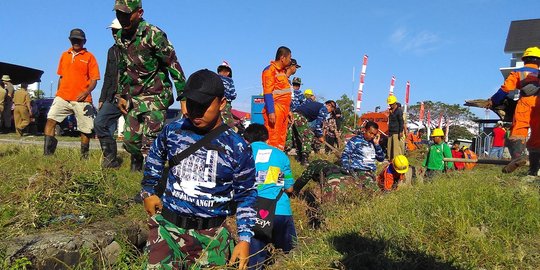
481,219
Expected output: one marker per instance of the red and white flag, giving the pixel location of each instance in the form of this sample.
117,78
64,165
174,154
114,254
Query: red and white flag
421,114
392,84
440,120
407,92
429,118
361,85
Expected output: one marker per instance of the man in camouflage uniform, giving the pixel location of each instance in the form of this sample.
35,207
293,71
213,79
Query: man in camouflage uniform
330,128
187,224
308,120
147,59
296,100
225,72
298,97
357,161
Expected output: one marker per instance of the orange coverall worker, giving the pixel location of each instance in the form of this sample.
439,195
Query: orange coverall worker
277,99
388,178
412,141
525,105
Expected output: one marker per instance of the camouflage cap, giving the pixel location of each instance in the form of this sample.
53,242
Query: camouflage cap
127,6
297,80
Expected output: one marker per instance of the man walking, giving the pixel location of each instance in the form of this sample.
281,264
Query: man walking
109,113
8,103
145,90
23,110
277,97
3,94
79,73
395,129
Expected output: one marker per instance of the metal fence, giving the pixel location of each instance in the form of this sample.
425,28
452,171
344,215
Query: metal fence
482,144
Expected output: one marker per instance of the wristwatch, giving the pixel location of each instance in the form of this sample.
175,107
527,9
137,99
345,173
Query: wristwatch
145,194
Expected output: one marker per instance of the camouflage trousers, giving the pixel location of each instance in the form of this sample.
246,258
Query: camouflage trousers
171,247
140,130
300,136
333,179
227,115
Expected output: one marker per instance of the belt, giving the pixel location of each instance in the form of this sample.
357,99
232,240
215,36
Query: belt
20,105
361,171
282,91
188,223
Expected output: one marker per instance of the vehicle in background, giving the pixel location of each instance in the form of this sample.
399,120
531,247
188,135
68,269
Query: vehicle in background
40,108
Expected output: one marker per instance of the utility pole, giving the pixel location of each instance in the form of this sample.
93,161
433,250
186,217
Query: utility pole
51,88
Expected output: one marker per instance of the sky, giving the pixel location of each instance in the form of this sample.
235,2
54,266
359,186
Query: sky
449,51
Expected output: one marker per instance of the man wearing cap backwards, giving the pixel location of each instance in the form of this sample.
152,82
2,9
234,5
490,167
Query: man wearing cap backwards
225,72
79,73
434,163
187,227
8,102
277,97
108,114
145,90
396,129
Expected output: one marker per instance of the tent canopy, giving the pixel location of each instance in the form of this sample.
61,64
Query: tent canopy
20,74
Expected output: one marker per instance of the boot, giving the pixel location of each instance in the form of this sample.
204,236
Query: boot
516,147
303,158
50,145
298,185
136,163
534,163
109,148
514,164
85,150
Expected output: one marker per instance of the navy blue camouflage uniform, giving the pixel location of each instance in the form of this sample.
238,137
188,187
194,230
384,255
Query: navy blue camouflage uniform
209,183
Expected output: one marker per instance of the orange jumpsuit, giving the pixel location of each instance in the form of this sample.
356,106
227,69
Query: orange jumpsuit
389,178
525,105
412,140
277,98
468,154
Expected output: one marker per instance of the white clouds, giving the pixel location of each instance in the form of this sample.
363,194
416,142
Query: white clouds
419,42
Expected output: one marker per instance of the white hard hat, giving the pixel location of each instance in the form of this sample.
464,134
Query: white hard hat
115,24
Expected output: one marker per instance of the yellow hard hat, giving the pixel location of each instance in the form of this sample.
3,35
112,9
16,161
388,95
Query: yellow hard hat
401,163
464,148
531,52
437,133
391,100
308,92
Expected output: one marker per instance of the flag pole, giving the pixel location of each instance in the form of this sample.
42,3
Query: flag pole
360,88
